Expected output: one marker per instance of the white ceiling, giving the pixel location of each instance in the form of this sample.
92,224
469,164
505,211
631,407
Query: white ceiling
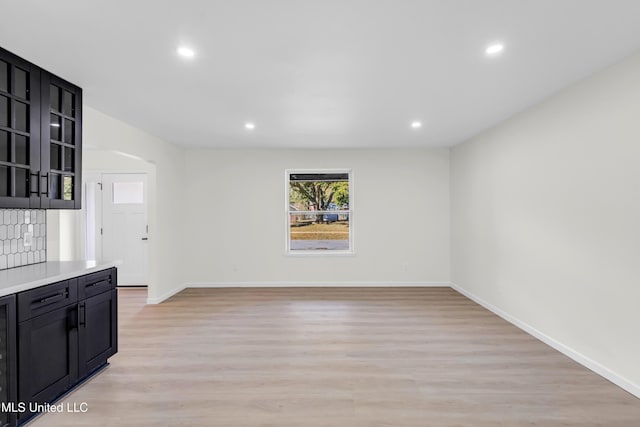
322,73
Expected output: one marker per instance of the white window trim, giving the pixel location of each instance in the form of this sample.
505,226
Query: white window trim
287,249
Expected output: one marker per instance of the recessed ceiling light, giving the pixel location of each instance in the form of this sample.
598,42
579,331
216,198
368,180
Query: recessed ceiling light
494,49
416,125
249,126
186,52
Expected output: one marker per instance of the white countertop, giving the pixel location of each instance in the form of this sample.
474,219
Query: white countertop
20,279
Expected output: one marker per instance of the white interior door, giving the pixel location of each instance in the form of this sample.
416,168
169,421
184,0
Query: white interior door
125,227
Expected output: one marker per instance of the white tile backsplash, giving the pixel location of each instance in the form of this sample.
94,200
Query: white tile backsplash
14,223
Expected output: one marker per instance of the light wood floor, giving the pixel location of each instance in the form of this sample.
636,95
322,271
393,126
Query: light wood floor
356,357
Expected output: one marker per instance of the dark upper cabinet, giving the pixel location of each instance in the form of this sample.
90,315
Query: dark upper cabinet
40,137
20,148
61,143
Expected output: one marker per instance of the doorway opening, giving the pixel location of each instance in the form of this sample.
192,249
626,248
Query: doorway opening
117,223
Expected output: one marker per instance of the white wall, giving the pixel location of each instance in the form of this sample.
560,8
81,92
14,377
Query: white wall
546,220
217,216
235,226
106,135
63,235
112,161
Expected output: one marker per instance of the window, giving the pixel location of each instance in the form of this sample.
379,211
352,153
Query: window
319,212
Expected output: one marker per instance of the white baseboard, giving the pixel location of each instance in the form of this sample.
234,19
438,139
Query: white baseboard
314,284
591,364
164,296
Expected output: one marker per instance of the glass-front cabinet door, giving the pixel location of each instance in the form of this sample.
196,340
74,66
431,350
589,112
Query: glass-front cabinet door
19,133
61,142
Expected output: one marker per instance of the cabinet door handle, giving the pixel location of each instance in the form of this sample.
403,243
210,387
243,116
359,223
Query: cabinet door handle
45,177
72,320
100,283
145,238
52,298
82,314
35,181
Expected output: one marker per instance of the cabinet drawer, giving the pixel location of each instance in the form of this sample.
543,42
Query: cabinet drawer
46,298
96,283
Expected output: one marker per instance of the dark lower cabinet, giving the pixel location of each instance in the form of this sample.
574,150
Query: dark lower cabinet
8,384
66,331
48,347
98,335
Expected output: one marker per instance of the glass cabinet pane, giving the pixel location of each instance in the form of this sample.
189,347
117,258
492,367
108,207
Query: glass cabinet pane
4,181
4,76
56,157
56,124
4,111
54,186
21,84
68,159
68,131
4,146
54,97
21,182
21,150
22,116
67,188
68,102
